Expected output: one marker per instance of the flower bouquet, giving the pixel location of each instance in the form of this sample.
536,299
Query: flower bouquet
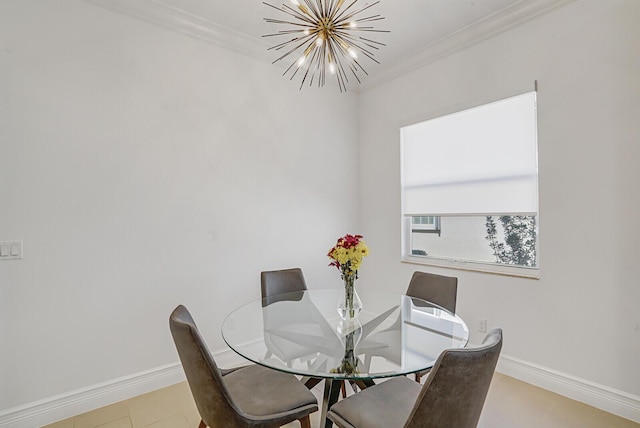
347,256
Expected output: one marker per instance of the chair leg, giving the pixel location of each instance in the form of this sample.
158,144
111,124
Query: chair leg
343,388
202,424
418,377
305,422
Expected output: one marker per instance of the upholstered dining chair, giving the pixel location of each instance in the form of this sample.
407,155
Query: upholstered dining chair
250,396
452,397
439,289
276,285
276,282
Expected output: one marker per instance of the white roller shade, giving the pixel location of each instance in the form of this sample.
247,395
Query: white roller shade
478,161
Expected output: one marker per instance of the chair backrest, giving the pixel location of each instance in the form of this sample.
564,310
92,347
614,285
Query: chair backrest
455,391
203,376
439,289
276,282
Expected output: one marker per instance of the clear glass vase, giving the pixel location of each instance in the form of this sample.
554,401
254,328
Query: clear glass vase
349,303
350,332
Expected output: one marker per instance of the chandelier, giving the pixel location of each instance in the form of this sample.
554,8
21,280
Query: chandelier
326,36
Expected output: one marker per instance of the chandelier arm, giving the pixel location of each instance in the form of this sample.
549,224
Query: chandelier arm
362,49
370,30
370,45
322,69
331,8
316,59
342,73
324,7
285,44
310,63
290,11
338,58
341,12
351,40
290,51
294,72
371,18
355,60
342,17
350,61
284,33
340,80
312,6
280,21
349,24
294,23
299,15
332,51
372,41
370,56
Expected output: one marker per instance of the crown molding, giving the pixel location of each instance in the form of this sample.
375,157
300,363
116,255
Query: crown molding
498,23
169,17
159,13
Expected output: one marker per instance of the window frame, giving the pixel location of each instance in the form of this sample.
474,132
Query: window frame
464,264
408,228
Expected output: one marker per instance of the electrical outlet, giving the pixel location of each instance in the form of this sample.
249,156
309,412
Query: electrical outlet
482,326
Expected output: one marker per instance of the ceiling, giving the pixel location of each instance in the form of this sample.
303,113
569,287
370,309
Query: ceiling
413,23
420,30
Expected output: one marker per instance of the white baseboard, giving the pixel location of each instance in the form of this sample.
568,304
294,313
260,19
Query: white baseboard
52,409
73,403
63,406
599,396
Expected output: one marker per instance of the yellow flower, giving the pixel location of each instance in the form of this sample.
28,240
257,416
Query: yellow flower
348,254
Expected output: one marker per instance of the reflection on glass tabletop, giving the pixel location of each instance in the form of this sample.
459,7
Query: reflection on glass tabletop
301,333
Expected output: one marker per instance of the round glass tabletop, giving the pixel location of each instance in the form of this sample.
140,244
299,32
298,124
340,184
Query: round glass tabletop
302,333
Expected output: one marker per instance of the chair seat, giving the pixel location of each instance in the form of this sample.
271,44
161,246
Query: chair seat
251,396
452,396
388,404
259,391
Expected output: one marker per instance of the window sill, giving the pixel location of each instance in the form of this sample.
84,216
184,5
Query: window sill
521,272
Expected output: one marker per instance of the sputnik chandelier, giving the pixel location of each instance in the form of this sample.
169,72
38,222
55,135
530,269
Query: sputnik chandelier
326,37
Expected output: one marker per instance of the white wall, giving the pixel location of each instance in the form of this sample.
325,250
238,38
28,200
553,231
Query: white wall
581,318
143,169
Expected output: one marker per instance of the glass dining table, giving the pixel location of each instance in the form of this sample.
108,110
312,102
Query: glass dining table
301,333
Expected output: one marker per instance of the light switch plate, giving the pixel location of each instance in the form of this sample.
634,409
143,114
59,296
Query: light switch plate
10,250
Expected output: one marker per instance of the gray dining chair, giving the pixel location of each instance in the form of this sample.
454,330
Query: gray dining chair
277,282
452,397
283,284
278,286
439,289
249,396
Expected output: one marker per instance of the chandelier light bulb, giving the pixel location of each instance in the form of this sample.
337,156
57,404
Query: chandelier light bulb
353,24
332,68
295,2
352,53
319,41
301,61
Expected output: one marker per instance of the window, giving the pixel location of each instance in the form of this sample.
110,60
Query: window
470,188
425,224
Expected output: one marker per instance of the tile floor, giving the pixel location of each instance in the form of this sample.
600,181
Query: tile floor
510,404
